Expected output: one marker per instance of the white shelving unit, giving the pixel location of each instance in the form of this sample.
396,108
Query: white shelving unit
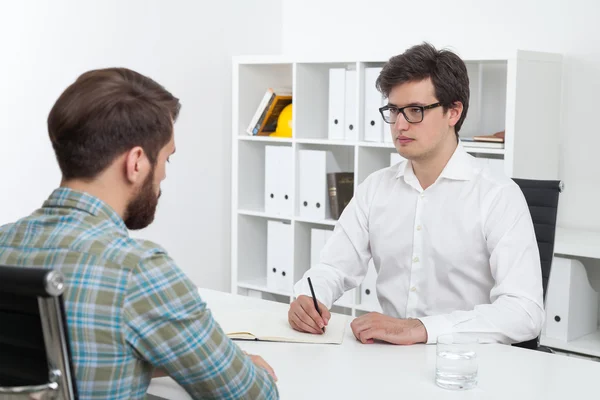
518,93
577,244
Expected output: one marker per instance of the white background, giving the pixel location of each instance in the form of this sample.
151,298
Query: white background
187,46
184,45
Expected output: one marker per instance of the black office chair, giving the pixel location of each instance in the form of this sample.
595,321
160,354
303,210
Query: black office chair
35,355
542,199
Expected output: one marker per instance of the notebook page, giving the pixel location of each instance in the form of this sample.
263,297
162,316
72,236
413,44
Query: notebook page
272,326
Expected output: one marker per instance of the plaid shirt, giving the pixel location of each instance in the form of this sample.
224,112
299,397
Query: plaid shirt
130,308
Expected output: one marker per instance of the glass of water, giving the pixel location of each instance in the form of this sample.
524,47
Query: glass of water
456,366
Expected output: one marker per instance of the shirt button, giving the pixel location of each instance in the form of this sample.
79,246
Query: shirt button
416,259
422,195
418,227
413,289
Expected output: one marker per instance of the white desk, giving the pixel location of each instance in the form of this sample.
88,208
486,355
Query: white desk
381,371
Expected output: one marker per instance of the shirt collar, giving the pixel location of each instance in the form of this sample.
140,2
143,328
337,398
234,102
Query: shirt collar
459,167
69,198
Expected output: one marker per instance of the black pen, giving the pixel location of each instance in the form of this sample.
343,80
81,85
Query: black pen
315,299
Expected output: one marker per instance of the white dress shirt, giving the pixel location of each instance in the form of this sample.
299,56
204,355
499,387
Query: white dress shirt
461,256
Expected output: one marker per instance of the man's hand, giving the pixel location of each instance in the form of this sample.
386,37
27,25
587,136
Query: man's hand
261,363
159,373
375,326
303,317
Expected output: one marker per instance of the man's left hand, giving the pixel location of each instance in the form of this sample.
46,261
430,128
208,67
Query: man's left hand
375,326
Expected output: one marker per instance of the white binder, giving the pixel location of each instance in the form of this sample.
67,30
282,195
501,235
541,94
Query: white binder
279,256
368,292
318,239
285,180
271,180
313,199
373,124
278,180
571,303
337,96
351,106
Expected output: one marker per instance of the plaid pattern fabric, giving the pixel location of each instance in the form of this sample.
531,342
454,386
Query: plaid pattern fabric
130,308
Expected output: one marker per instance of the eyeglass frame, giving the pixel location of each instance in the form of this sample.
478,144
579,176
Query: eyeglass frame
401,110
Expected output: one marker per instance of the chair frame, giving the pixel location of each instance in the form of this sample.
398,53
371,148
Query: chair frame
60,383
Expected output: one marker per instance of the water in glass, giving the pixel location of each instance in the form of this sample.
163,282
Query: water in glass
456,366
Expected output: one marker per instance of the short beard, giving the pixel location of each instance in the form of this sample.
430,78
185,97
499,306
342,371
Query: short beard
141,210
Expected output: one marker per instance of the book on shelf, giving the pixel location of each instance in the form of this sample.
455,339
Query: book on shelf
485,145
264,120
494,141
340,186
488,138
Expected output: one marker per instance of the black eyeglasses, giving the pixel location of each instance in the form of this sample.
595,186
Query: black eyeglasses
412,114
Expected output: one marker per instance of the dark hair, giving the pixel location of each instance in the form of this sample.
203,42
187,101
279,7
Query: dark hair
446,70
103,114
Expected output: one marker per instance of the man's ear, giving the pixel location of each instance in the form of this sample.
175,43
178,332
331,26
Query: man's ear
137,165
455,112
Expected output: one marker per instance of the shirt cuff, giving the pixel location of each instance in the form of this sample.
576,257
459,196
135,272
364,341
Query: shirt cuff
436,325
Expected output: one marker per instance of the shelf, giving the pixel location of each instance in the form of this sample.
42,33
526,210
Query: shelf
589,344
326,142
577,242
483,150
329,222
386,145
264,139
260,284
262,214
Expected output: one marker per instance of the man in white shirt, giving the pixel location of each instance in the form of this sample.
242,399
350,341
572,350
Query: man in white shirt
453,243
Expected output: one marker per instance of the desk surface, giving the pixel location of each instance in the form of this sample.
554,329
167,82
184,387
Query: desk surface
381,371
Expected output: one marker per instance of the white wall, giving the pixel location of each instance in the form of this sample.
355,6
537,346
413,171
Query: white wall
382,28
184,45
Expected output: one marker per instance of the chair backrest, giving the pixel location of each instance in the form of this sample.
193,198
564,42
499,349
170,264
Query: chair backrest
34,344
542,200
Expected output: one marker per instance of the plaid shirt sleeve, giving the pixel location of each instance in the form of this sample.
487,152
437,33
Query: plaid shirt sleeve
169,325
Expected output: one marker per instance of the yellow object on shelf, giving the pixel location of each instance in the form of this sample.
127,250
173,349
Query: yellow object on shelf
284,123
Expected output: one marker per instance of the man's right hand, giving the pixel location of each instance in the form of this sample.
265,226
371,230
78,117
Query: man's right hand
303,317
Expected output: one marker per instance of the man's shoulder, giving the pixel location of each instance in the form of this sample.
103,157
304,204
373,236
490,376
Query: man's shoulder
496,181
141,254
387,174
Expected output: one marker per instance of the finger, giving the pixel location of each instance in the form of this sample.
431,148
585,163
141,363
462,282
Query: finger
303,326
309,315
367,336
309,308
291,320
362,322
295,310
325,314
295,322
356,329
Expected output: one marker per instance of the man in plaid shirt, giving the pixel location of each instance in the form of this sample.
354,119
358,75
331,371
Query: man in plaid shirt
131,310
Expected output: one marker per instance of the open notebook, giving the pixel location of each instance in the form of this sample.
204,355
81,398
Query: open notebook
250,324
